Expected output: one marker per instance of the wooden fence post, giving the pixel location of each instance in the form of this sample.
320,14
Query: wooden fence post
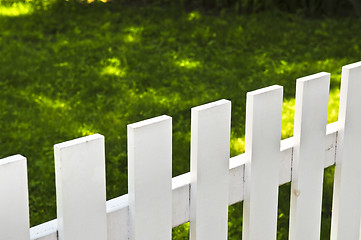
346,209
263,137
150,179
210,147
308,156
14,203
80,188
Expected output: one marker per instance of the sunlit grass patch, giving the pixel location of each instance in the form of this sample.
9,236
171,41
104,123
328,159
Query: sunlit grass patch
16,9
152,96
43,101
333,104
327,65
332,65
129,38
133,34
237,146
62,64
86,130
113,68
288,115
187,63
103,1
194,16
181,232
286,67
50,103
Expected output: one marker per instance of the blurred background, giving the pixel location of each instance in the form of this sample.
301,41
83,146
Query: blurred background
72,68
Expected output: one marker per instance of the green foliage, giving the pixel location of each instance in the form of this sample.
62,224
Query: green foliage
235,212
70,69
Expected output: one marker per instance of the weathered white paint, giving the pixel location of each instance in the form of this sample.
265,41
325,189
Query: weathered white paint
263,136
309,154
210,146
347,189
80,188
14,203
150,179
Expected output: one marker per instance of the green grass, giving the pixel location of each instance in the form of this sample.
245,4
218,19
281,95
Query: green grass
68,70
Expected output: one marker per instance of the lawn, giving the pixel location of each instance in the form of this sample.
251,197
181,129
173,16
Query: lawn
68,70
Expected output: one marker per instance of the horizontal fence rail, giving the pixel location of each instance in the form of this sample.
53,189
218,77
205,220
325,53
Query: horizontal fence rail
156,202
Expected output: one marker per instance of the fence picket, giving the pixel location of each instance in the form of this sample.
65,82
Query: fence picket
308,156
80,188
346,209
263,136
14,203
150,179
210,147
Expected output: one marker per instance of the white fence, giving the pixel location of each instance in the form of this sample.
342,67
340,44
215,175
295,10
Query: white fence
156,202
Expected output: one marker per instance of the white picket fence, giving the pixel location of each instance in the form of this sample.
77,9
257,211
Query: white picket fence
156,202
